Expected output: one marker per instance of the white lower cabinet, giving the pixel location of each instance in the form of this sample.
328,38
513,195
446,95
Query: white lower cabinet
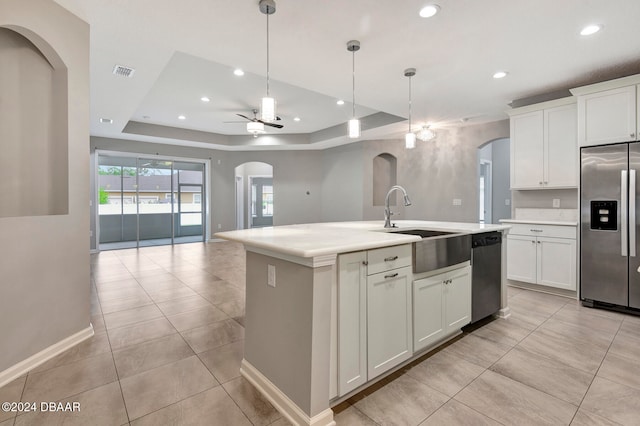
441,306
352,321
389,321
543,255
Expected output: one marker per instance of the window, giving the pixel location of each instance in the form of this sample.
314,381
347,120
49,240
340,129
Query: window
267,200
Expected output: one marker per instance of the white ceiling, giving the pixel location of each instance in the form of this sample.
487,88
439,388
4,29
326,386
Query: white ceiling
184,50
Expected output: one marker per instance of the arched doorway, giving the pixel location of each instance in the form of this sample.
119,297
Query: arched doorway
494,189
254,195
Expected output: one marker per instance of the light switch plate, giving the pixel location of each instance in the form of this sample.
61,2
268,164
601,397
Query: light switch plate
457,202
271,275
556,203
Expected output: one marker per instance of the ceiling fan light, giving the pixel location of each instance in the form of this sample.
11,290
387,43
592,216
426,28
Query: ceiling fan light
354,128
255,128
410,140
268,110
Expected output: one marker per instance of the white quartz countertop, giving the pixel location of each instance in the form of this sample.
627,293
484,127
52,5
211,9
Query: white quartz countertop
320,239
541,222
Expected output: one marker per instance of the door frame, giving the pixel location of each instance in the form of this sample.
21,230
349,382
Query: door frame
239,183
96,187
249,194
488,189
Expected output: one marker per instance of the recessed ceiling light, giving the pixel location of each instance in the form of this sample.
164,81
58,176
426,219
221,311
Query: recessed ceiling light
296,118
238,72
590,29
429,10
500,74
106,120
340,102
182,117
205,99
146,117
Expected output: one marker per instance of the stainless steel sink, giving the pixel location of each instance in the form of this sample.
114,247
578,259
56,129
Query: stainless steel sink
438,249
424,233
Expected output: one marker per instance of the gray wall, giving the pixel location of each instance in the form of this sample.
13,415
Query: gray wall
501,190
337,184
44,289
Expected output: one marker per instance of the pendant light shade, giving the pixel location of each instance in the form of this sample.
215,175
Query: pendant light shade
410,137
268,109
268,104
354,124
410,140
354,128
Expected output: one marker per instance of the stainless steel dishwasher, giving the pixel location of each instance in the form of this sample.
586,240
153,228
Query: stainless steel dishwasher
486,276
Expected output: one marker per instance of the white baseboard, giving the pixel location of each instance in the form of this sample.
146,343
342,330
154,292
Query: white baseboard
21,368
504,313
282,402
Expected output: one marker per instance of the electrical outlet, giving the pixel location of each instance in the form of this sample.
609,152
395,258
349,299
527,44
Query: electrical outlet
219,226
556,203
507,202
90,233
457,202
271,275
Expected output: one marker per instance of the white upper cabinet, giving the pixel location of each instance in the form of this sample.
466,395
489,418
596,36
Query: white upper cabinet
608,111
607,117
527,151
543,146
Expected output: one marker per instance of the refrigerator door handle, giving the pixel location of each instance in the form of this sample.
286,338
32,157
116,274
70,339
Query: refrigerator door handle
632,213
624,194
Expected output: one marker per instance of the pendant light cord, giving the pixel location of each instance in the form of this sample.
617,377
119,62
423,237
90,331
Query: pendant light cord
353,52
267,54
409,104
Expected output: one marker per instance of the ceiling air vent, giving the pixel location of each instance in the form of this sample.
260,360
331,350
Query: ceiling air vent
123,71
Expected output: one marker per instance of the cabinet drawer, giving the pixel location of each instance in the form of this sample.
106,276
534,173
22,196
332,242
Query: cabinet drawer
543,230
387,258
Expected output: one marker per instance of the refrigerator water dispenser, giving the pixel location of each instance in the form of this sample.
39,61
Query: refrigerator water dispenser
604,215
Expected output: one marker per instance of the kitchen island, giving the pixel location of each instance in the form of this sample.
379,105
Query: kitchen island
305,348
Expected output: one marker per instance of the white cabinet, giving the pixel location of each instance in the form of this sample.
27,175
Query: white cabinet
543,146
607,117
542,254
441,306
389,321
352,321
374,322
609,112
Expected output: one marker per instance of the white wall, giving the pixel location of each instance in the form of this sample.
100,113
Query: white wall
44,290
501,158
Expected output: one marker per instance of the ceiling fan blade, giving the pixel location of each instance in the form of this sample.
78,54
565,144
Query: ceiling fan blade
244,116
277,126
234,121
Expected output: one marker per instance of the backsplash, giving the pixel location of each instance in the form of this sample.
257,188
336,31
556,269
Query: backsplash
568,215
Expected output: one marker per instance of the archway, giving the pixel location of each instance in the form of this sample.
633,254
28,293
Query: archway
494,189
254,195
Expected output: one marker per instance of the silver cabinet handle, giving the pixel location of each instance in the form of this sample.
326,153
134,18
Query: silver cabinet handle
390,258
391,275
365,263
540,182
535,230
632,134
533,242
538,242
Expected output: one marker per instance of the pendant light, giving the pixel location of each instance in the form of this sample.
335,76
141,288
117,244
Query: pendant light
354,124
268,104
410,138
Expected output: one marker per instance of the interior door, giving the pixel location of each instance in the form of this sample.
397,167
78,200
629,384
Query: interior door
261,202
603,251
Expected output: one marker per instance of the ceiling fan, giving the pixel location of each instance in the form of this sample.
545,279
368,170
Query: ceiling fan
255,119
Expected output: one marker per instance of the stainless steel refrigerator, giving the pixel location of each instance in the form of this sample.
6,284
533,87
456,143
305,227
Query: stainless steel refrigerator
609,238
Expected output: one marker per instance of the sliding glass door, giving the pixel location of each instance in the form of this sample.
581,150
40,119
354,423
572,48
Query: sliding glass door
147,201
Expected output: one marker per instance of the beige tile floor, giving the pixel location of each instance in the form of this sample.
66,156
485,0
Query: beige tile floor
169,339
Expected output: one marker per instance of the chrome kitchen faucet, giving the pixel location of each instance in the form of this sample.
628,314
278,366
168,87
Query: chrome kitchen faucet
387,209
